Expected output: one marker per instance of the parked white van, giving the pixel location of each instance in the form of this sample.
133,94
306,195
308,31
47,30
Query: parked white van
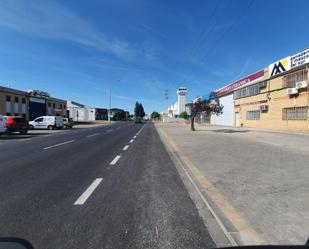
47,122
2,125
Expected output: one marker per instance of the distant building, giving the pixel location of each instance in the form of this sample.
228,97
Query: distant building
181,103
178,107
30,104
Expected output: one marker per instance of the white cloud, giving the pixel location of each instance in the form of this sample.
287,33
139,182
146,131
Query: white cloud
54,21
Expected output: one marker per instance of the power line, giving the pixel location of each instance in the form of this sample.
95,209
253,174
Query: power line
217,42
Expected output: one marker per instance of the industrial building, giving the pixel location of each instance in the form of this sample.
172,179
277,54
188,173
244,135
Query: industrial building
82,113
274,98
30,104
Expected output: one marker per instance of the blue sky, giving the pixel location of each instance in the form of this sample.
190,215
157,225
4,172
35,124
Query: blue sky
79,49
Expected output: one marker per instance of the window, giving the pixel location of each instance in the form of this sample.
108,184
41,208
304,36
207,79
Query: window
249,90
23,100
49,104
16,114
290,80
60,106
253,115
23,115
8,114
63,106
39,120
16,100
8,98
295,113
54,105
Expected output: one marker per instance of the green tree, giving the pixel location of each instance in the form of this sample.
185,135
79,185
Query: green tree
155,115
139,110
212,106
184,115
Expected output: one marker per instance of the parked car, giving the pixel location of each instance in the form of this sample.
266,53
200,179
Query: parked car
16,124
47,122
2,125
68,122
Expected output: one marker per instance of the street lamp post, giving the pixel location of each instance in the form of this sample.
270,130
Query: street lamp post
110,105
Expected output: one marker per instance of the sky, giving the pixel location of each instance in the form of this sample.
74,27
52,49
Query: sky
78,50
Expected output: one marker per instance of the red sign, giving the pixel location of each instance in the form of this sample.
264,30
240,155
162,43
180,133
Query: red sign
250,78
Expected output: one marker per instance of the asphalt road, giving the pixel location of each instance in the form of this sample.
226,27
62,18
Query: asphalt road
105,187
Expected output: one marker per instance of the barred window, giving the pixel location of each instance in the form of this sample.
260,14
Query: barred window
253,115
295,113
290,80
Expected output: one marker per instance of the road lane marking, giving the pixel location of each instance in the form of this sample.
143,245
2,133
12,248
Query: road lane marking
92,135
83,198
56,145
115,160
118,128
131,141
24,139
109,130
135,136
126,147
140,130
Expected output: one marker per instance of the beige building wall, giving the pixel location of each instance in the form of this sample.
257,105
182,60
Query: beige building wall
276,97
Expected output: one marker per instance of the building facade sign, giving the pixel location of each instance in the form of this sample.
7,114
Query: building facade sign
300,59
279,67
288,63
249,79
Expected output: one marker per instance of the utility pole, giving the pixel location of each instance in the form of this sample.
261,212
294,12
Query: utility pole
110,105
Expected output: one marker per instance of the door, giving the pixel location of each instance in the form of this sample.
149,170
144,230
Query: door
237,119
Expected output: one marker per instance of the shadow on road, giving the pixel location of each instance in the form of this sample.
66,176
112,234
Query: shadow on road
17,136
230,131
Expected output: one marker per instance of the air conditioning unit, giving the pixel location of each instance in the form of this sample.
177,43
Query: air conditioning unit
301,84
264,108
292,91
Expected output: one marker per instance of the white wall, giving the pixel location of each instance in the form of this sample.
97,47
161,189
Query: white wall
227,118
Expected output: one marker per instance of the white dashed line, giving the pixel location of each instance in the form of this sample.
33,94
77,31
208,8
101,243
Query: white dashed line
135,136
56,145
126,147
24,139
140,130
115,160
92,135
109,130
118,128
83,198
131,141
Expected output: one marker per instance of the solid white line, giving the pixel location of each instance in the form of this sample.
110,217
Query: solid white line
126,147
83,198
56,145
131,141
92,135
115,160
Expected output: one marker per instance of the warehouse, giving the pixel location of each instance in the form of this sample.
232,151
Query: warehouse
30,105
226,98
280,101
13,102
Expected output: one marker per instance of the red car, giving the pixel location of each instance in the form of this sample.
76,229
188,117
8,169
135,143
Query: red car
16,124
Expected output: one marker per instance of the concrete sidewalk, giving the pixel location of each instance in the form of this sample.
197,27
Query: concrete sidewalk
257,182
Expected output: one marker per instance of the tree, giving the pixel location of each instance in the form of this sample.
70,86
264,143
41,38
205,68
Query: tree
184,115
155,115
139,110
120,115
211,106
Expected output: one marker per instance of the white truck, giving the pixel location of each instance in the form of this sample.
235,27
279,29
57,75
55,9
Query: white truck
47,122
2,125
